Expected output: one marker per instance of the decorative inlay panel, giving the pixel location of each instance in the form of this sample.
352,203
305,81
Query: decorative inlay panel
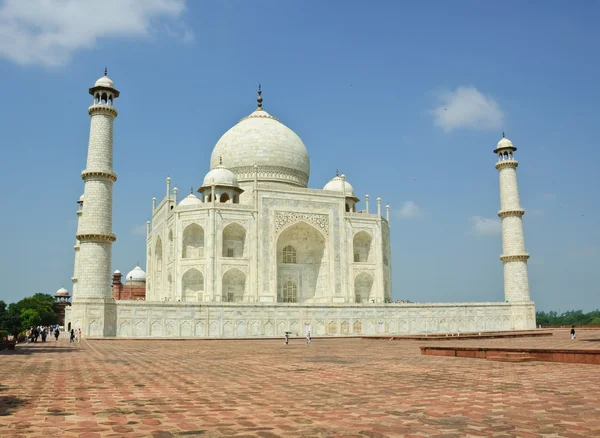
285,218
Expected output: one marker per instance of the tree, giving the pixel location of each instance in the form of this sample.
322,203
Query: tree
30,318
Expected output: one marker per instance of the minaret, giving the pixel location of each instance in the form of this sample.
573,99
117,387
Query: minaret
77,247
514,256
95,304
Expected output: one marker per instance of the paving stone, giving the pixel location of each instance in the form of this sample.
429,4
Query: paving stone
335,387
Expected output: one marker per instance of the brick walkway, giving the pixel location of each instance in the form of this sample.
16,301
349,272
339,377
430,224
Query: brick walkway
335,387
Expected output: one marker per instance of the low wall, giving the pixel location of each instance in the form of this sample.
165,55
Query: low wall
544,355
235,320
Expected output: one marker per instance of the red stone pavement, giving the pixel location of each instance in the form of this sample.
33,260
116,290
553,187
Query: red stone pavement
335,387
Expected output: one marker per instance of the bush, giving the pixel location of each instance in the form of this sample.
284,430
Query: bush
3,334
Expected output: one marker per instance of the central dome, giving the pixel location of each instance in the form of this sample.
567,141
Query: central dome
262,140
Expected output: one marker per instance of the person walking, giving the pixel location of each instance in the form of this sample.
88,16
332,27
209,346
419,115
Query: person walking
72,337
287,338
56,333
572,332
78,336
308,338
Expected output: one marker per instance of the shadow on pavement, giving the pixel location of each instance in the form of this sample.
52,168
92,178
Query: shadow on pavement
9,403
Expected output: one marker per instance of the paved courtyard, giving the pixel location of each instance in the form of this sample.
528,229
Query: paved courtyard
335,387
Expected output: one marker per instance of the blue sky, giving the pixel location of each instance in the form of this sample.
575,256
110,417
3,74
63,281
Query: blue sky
359,82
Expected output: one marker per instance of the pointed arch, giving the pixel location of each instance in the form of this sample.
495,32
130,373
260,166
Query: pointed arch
302,256
233,286
192,285
362,246
363,288
289,255
234,240
224,198
158,252
193,242
290,291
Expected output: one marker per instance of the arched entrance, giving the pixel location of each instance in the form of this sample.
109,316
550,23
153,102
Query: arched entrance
302,265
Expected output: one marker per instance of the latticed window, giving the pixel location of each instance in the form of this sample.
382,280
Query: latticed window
290,292
289,254
230,297
229,252
358,298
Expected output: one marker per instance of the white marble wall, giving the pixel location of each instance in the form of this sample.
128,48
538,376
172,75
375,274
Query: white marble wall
139,319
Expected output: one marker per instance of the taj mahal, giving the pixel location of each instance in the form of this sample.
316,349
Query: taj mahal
252,251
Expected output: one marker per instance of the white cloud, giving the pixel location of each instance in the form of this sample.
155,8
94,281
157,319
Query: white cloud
466,107
139,230
485,226
48,32
409,210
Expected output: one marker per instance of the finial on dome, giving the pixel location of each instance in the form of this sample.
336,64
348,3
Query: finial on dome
105,71
220,160
191,190
337,172
259,99
502,134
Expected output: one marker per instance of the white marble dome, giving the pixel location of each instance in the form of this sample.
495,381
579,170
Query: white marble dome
104,81
337,185
220,176
136,275
504,143
262,140
62,292
190,199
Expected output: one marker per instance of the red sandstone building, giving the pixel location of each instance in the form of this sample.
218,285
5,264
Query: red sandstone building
134,287
62,298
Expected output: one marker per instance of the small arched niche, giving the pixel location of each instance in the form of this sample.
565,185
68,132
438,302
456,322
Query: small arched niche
234,239
193,242
362,247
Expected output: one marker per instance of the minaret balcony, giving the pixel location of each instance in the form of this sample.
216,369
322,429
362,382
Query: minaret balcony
100,108
506,163
507,213
98,174
514,258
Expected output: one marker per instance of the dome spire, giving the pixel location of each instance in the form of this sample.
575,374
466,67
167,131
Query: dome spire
105,71
259,99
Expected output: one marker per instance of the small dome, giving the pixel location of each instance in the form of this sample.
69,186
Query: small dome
504,143
62,292
104,81
117,272
136,275
190,199
335,185
220,176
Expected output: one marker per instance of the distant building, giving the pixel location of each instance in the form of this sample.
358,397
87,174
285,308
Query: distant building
63,299
134,287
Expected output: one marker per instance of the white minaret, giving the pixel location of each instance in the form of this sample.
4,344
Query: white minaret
514,256
77,247
94,305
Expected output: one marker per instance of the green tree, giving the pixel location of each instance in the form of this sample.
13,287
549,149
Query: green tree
30,318
43,304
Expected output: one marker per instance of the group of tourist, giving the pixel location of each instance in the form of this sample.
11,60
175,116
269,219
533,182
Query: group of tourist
34,333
